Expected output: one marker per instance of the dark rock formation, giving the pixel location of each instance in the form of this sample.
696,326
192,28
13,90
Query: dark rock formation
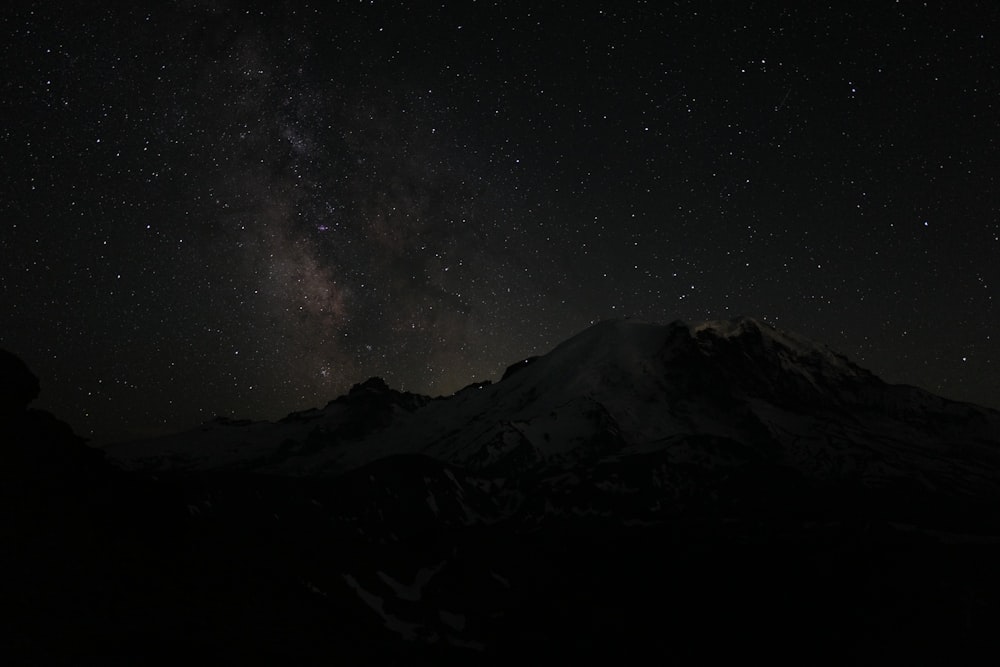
18,385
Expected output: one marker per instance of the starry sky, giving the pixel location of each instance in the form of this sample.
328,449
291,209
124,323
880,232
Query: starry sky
231,208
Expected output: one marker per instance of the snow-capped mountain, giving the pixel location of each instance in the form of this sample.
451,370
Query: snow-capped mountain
695,491
716,395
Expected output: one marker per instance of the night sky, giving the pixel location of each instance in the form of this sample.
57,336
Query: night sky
224,208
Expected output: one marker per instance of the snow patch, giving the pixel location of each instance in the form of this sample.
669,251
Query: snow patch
432,503
407,631
464,643
455,481
314,589
452,620
503,581
412,592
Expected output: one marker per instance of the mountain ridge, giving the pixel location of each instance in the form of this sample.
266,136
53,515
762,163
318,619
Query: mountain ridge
653,487
637,384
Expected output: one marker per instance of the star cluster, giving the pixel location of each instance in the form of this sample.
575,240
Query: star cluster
240,208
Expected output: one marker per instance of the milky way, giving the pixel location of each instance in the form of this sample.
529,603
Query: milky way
349,217
231,208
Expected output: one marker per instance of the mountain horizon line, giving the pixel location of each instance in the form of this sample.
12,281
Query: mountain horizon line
732,324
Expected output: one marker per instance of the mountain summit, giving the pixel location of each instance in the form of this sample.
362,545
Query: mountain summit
626,388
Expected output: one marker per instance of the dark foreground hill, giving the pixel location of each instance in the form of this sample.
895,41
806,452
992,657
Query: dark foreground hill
716,490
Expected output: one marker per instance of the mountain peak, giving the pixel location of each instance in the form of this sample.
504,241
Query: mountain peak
620,388
376,389
733,326
791,352
372,384
619,362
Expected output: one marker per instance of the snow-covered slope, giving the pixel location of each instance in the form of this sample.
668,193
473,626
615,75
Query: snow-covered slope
626,388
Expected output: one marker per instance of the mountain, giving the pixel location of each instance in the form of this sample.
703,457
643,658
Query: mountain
696,491
715,396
